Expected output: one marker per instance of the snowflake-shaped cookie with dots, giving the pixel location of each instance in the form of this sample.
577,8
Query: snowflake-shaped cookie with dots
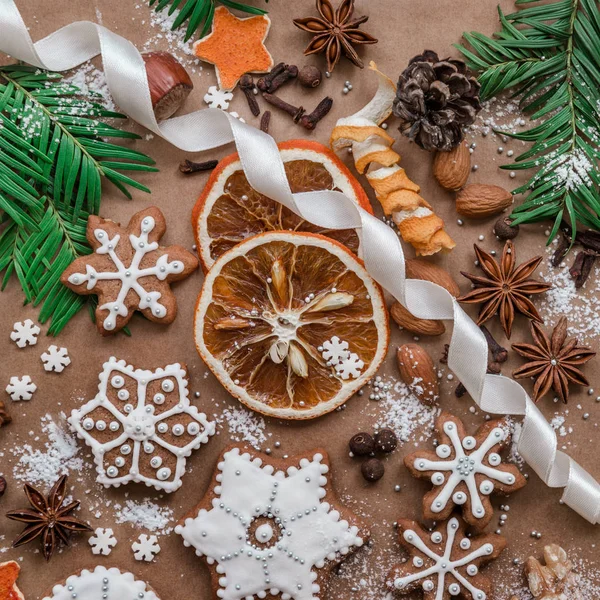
103,541
25,333
216,98
141,426
265,527
444,563
129,271
465,470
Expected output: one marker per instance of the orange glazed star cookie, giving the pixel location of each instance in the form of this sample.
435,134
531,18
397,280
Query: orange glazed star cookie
9,572
236,46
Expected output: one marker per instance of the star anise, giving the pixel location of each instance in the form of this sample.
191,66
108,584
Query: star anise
48,518
505,288
553,362
335,32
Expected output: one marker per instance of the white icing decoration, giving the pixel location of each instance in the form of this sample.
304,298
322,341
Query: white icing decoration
129,276
55,359
443,565
103,541
141,427
463,468
25,333
145,548
306,530
20,388
90,585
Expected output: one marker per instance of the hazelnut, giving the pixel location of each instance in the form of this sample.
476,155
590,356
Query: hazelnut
385,441
310,76
361,444
169,83
372,469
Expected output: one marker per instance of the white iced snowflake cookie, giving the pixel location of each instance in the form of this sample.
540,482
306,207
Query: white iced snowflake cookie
21,388
145,548
25,333
102,584
141,426
56,359
264,526
444,563
129,271
465,470
103,541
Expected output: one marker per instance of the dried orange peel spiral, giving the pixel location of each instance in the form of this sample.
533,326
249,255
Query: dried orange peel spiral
398,195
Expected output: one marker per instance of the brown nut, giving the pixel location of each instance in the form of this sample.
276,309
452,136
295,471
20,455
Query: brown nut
452,169
503,229
418,372
408,321
417,268
169,83
479,201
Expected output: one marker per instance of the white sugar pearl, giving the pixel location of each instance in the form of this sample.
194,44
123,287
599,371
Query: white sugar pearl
100,425
159,398
162,428
193,428
163,474
178,429
123,395
156,462
168,385
117,381
88,424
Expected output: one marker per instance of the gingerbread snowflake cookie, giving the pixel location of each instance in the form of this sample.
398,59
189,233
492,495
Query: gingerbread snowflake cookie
269,526
141,426
102,584
129,271
465,470
444,563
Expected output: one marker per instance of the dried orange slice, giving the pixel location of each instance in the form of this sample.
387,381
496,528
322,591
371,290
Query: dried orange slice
291,324
229,211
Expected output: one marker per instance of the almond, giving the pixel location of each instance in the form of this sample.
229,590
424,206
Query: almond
452,169
478,201
408,321
417,268
418,372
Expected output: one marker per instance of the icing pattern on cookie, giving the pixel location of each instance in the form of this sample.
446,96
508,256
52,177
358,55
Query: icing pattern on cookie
130,275
268,530
102,584
141,426
465,470
445,567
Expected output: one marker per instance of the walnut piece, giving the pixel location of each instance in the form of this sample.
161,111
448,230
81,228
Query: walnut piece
556,580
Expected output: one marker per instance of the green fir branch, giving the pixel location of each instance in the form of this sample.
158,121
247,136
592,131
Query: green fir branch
199,14
53,156
548,54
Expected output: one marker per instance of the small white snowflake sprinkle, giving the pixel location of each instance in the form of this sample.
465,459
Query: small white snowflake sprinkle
146,547
21,388
350,367
216,98
56,359
335,350
25,333
103,541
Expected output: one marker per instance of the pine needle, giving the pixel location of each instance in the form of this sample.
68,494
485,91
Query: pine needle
549,55
199,13
53,157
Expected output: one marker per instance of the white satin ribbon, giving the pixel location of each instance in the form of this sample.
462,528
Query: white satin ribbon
383,256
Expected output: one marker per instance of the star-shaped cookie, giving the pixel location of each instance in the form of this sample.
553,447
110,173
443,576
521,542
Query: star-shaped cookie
236,46
465,470
9,572
129,271
271,526
444,563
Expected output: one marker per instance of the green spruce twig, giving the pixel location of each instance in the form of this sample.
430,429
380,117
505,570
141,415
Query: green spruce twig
199,13
548,53
53,157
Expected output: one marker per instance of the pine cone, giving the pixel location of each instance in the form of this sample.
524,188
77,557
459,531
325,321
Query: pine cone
556,580
435,99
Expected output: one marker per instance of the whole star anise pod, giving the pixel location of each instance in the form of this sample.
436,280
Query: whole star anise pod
48,518
505,287
553,362
335,32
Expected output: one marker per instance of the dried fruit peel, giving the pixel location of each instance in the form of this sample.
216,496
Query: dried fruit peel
236,46
9,572
398,195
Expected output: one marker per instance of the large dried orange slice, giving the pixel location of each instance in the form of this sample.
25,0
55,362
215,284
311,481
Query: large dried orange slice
229,211
291,324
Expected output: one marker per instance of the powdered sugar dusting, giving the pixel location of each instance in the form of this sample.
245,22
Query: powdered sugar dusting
145,515
39,467
243,426
92,83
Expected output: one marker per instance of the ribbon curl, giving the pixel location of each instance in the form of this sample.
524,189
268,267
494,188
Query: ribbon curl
125,73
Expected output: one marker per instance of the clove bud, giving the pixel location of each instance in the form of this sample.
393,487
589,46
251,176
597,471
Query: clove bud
582,267
296,112
310,121
279,75
188,166
247,86
265,121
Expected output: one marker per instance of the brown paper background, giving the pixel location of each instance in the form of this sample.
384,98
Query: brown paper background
404,28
